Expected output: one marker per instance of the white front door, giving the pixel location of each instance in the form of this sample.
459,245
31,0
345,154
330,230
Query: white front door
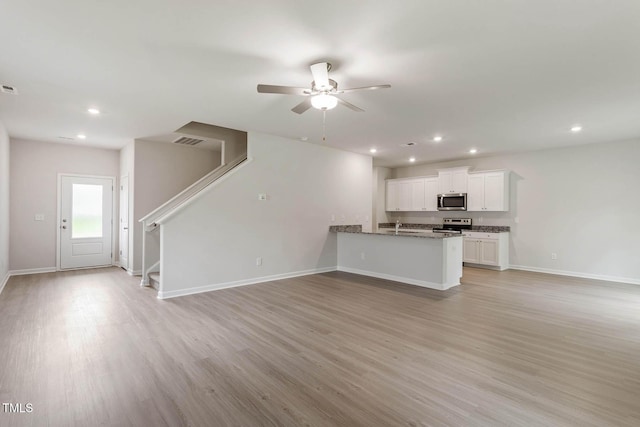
124,222
86,210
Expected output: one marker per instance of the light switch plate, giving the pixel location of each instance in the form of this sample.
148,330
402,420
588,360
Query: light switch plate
262,196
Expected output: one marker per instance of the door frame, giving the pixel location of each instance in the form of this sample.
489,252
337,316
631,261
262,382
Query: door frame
114,206
120,243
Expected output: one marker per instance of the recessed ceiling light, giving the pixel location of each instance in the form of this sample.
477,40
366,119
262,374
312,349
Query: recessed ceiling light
412,159
81,136
373,150
473,151
437,138
93,111
576,128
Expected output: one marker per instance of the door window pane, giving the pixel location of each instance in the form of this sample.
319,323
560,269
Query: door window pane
86,211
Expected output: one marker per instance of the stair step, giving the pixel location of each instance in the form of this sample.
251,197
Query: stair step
154,279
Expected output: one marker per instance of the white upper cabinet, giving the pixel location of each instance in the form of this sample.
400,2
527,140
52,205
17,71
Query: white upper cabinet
453,180
417,195
399,195
412,194
475,192
431,194
488,191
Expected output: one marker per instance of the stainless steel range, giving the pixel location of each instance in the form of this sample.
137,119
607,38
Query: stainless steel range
454,225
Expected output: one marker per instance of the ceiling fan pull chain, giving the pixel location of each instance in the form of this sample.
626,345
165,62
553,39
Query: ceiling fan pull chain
324,125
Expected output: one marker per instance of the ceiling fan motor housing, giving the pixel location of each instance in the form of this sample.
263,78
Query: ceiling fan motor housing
333,83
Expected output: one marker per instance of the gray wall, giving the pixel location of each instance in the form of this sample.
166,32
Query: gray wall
4,205
34,179
581,203
215,241
160,171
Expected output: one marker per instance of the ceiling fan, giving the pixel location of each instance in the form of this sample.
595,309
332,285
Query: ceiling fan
322,93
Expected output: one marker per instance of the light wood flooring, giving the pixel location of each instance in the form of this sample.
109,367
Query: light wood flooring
91,348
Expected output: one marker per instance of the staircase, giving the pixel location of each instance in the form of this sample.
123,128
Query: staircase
154,280
234,144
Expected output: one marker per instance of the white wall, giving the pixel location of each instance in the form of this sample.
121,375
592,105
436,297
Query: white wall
160,171
34,175
215,241
581,203
4,205
380,175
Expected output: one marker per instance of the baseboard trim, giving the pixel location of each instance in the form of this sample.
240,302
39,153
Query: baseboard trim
604,277
423,283
234,284
134,272
4,281
32,271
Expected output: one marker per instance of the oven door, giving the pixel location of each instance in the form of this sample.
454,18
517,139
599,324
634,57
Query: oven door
452,202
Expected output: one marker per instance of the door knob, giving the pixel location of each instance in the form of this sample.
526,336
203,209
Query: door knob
125,228
64,220
64,227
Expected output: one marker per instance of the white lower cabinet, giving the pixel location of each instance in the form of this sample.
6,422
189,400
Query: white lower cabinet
486,249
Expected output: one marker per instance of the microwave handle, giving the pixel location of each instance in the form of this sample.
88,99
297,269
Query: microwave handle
440,204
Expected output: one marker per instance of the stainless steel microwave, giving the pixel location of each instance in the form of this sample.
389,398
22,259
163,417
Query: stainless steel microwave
452,202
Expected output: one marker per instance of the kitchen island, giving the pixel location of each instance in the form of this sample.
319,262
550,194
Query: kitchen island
416,257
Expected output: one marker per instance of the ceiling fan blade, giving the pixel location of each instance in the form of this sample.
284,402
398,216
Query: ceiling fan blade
365,88
320,73
302,107
349,105
285,90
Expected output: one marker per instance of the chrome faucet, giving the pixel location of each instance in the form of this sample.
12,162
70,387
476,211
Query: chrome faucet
398,225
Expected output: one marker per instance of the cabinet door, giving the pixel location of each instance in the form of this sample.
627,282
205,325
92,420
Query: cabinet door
471,251
475,193
392,195
459,181
445,182
404,196
494,192
431,194
488,252
417,195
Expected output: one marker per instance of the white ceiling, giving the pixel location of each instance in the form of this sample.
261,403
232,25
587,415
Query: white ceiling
495,75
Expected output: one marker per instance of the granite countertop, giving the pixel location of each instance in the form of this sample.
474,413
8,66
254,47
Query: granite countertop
479,228
357,229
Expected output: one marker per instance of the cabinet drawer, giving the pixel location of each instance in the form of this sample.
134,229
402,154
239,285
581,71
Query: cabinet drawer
480,235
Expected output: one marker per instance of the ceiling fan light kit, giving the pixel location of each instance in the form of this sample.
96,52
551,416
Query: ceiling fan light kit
324,102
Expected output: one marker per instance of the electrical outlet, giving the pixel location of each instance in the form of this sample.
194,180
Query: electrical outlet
259,261
362,255
554,255
39,217
333,217
262,196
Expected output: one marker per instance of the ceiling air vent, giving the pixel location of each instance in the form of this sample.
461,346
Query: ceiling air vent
9,89
408,144
183,140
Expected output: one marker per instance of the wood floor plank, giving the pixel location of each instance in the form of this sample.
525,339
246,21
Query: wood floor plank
515,348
